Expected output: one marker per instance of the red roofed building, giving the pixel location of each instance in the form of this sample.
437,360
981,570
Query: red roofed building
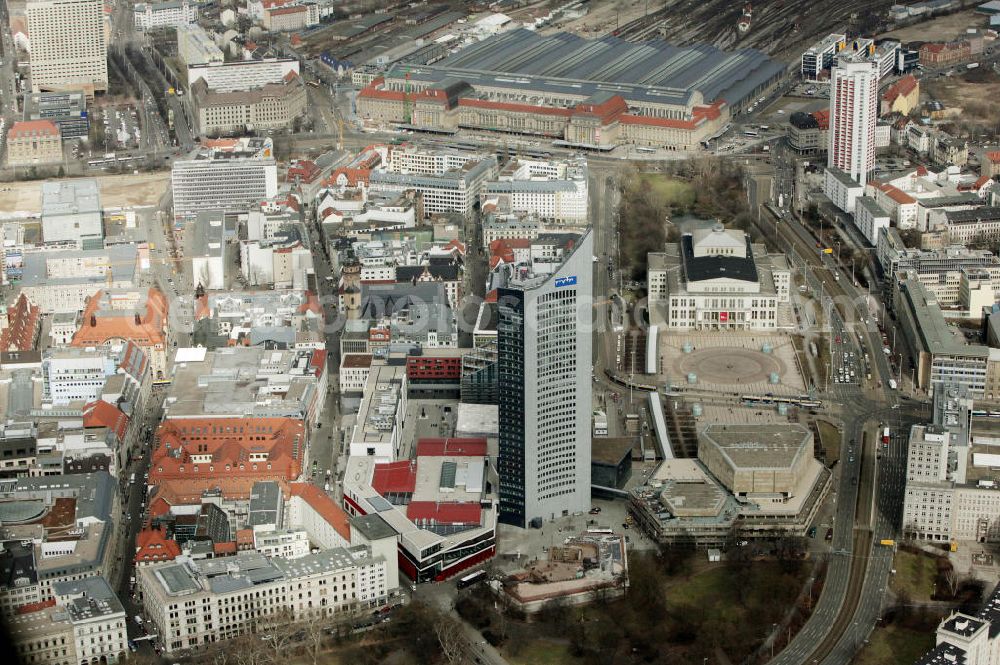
303,171
129,315
227,548
937,54
153,546
287,18
603,120
452,447
395,478
437,503
19,326
326,523
102,414
903,96
34,142
989,163
509,251
245,450
443,513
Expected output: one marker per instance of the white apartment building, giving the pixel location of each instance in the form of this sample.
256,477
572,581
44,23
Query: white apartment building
380,418
69,50
75,375
191,603
842,190
61,281
869,218
952,492
283,265
287,543
715,279
354,369
222,182
853,114
196,47
241,75
446,181
415,159
160,14
87,624
562,201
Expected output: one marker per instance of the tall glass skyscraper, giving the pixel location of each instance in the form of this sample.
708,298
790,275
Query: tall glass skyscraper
544,340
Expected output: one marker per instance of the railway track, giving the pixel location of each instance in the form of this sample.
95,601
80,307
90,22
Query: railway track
855,585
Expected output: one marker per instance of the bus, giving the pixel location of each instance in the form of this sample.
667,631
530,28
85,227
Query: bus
749,132
645,149
471,578
312,83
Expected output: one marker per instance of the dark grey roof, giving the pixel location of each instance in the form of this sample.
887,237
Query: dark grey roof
446,272
803,120
961,624
17,562
373,527
653,70
991,612
943,654
265,504
984,214
698,268
378,300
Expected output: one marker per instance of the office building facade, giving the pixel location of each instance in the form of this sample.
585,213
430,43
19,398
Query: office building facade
544,365
68,46
228,183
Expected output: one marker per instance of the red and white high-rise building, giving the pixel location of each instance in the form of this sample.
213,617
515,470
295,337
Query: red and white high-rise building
853,112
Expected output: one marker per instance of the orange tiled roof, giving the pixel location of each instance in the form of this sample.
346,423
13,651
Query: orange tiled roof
903,86
99,324
153,546
27,128
327,508
35,607
23,323
229,444
225,548
102,414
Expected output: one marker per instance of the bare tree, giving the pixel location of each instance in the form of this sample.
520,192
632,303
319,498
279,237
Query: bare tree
952,581
277,630
315,632
248,650
449,636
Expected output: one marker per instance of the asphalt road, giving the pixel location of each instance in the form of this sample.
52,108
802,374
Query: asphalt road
853,593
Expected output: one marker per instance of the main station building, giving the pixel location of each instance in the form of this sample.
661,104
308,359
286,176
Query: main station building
594,94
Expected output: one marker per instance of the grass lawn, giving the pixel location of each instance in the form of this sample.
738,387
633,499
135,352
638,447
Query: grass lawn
893,644
830,437
713,588
669,190
540,652
915,574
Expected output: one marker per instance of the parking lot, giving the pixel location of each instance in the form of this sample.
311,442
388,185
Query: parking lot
120,127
